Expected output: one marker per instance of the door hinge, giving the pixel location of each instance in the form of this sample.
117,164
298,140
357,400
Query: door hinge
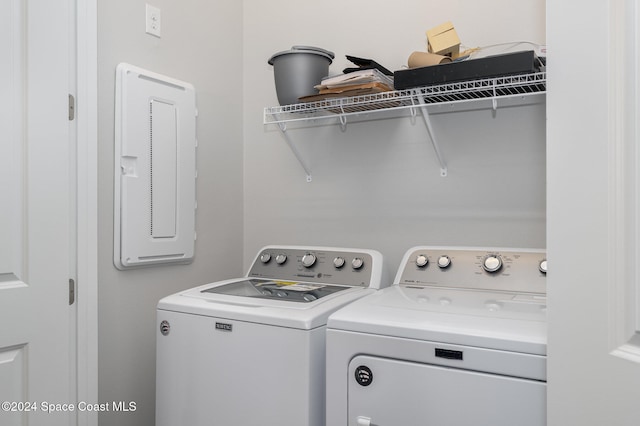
72,291
72,107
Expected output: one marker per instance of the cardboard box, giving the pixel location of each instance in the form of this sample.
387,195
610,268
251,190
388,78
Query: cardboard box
443,40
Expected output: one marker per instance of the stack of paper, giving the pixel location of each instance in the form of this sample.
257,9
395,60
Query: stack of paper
362,82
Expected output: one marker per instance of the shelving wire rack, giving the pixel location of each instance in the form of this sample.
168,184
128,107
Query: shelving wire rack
507,89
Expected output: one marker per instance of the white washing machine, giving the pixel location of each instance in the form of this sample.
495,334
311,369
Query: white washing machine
459,339
251,351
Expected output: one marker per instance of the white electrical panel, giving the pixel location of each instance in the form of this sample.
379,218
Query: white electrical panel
155,169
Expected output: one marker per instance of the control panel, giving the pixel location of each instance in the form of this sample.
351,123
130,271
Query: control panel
518,270
350,267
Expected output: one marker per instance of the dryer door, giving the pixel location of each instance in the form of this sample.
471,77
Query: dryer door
388,392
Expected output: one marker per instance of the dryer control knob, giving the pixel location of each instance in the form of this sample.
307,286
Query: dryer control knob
357,263
542,266
492,263
308,260
338,262
422,261
265,257
444,261
281,258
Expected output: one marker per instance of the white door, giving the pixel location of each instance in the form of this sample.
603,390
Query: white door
593,183
37,223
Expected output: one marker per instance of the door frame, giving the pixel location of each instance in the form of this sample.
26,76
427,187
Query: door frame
87,207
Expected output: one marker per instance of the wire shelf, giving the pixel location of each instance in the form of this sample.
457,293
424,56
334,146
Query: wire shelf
449,93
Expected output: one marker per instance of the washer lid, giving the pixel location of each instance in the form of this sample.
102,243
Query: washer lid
260,310
292,291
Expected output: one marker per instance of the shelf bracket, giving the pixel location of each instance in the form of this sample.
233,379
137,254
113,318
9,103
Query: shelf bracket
427,122
343,120
285,135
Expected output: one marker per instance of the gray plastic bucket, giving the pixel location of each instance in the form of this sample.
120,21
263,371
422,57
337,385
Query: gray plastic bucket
298,70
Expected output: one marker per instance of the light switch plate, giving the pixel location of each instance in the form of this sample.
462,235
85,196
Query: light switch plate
153,20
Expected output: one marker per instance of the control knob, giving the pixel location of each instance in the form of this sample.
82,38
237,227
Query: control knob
492,263
542,266
444,261
265,257
357,263
308,260
338,262
422,261
281,258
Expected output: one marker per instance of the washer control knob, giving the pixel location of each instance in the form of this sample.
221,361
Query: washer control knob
492,263
338,262
422,261
308,260
444,261
281,258
265,257
357,263
542,266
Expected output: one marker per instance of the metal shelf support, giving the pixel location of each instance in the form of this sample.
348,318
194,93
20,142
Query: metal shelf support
285,135
434,142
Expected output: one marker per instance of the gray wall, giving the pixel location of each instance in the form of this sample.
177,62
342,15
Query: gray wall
202,44
377,185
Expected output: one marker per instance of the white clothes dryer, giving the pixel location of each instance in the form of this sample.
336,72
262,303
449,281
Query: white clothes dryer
459,339
251,351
